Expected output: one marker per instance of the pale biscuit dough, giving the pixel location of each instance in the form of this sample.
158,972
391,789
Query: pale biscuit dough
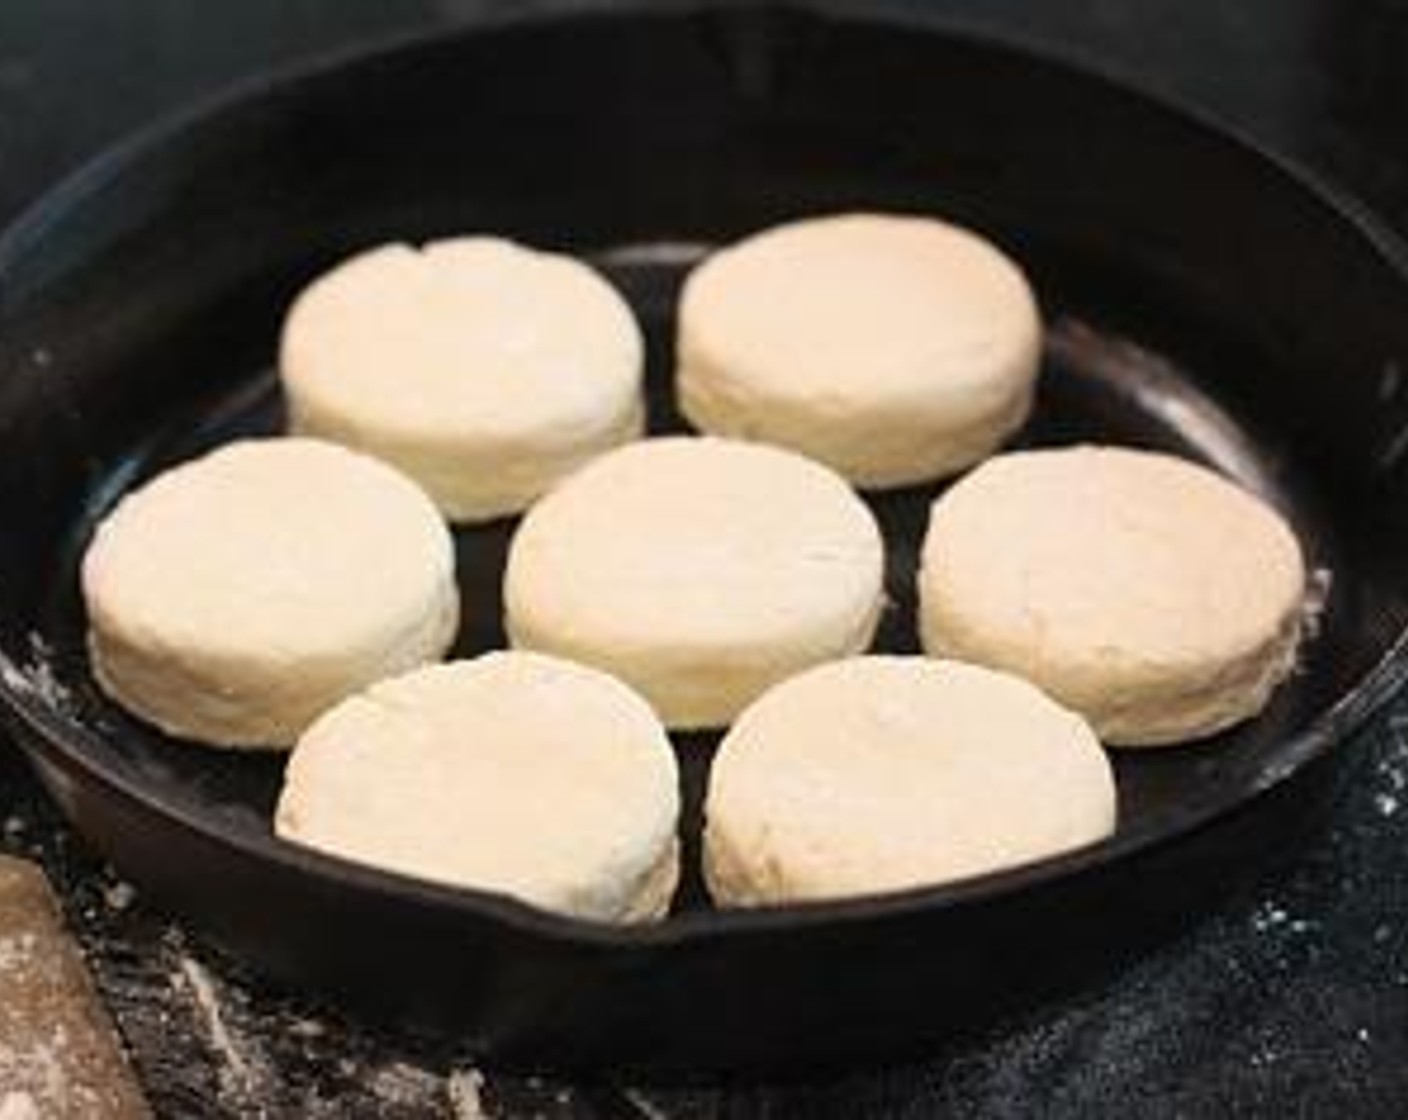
894,349
1152,595
698,570
514,772
483,369
234,598
883,773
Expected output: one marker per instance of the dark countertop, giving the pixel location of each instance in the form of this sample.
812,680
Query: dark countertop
1293,1000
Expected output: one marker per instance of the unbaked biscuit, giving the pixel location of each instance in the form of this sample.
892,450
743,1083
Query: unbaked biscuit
234,598
700,571
894,349
1152,595
483,369
879,774
446,774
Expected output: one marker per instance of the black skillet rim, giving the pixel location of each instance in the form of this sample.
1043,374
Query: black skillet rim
66,742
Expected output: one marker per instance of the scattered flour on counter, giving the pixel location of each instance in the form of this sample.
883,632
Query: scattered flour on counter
119,896
241,1071
1268,916
1391,770
314,1106
37,676
1272,917
1393,766
642,1104
400,1083
43,677
463,1088
307,1028
1398,728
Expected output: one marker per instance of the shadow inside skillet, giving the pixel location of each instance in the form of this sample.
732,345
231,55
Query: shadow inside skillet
1097,386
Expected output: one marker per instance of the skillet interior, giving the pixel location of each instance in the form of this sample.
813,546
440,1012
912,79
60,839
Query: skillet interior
1199,299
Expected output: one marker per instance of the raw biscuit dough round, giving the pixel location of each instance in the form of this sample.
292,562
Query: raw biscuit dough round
884,773
894,349
234,598
1152,595
698,570
483,369
447,773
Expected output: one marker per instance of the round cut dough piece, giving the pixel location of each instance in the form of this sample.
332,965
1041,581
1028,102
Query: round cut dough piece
894,349
1152,595
234,598
698,570
884,773
483,369
514,772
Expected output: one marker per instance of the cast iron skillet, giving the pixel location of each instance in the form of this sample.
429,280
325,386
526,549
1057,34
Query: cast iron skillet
1200,297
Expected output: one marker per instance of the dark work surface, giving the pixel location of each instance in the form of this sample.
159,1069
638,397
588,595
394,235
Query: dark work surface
1292,1001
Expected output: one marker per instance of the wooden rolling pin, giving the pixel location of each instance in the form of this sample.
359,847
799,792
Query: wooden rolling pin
59,1054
